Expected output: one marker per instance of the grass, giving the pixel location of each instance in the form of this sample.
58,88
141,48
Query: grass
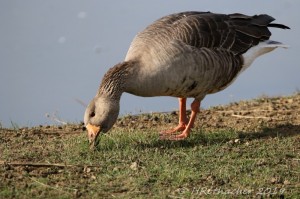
14,125
205,161
136,164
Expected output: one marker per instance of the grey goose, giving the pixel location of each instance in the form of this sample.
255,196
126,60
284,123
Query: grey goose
183,55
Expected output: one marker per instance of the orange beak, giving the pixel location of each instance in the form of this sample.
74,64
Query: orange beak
93,132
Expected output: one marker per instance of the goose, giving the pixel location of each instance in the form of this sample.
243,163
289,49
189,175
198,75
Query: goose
183,55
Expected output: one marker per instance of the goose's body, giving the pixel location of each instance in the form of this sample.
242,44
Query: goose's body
189,54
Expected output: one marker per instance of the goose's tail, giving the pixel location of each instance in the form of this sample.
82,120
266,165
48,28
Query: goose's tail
272,44
260,49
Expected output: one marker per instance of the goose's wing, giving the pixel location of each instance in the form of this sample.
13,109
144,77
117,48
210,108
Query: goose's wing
212,69
235,32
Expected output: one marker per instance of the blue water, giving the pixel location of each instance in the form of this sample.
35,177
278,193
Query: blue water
53,53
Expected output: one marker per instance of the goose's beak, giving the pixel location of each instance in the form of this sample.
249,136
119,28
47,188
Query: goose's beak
93,132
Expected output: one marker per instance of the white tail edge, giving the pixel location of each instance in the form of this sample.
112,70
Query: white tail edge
260,49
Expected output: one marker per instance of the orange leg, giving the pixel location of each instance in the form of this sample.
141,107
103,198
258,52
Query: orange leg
183,121
195,106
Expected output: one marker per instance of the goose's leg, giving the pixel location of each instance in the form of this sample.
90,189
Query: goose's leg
195,106
183,121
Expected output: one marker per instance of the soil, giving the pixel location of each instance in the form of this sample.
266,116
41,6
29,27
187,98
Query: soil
280,113
243,116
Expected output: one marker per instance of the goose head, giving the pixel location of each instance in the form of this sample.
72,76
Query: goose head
100,116
102,112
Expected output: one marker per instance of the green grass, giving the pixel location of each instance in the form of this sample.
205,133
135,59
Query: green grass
136,164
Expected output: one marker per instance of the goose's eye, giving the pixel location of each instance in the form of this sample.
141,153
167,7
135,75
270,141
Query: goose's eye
92,114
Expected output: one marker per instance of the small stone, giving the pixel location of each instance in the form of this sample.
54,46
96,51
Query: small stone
290,100
141,126
286,182
87,169
237,141
116,169
156,118
173,113
134,166
273,180
77,193
8,175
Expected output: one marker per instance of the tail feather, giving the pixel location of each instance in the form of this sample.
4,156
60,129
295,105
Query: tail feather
273,44
276,25
260,49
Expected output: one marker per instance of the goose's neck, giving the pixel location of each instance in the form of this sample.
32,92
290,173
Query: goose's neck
115,80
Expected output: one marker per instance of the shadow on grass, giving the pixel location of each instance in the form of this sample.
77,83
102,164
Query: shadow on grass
202,138
197,138
286,130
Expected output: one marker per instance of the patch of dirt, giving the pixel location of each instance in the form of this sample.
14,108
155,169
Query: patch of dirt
243,116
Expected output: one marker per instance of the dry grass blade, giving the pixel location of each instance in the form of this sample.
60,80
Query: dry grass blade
51,187
251,117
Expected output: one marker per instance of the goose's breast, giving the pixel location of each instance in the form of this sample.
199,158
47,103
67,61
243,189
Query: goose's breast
173,79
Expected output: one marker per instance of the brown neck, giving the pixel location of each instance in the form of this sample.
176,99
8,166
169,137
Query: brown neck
114,81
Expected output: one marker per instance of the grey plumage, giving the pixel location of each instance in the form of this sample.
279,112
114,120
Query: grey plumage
188,54
203,48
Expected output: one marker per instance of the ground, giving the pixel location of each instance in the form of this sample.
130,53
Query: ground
244,149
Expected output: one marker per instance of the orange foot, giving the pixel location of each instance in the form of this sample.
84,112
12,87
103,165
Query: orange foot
175,137
181,136
171,134
180,127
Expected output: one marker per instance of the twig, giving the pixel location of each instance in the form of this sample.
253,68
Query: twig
257,110
58,132
34,164
48,186
250,117
81,102
294,171
231,111
75,191
55,118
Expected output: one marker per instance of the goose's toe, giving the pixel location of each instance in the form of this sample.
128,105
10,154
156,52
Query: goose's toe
179,128
175,137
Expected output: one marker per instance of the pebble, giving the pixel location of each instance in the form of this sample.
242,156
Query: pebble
134,166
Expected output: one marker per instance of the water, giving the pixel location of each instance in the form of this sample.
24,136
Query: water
53,53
